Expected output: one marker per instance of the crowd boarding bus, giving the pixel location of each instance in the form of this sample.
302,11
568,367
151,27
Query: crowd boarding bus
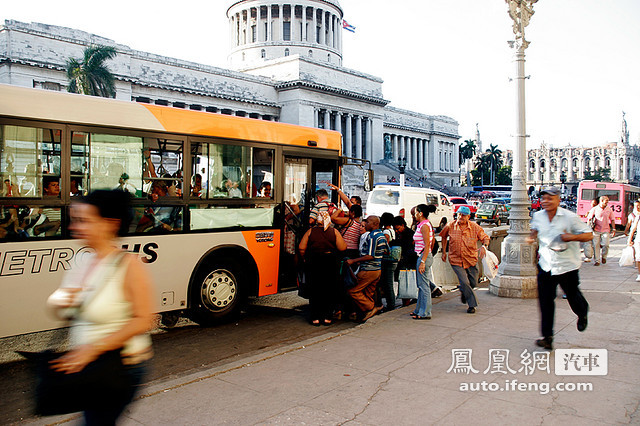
621,198
219,201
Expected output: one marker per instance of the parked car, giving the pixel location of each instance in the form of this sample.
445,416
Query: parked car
458,202
398,200
505,201
492,213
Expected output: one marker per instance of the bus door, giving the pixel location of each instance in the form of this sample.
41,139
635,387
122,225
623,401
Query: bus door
296,195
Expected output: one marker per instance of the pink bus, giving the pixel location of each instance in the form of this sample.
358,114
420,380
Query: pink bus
621,198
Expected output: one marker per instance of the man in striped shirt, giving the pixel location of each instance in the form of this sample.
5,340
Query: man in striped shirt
370,261
463,236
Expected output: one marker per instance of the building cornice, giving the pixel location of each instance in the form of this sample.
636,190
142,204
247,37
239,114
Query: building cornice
302,84
423,131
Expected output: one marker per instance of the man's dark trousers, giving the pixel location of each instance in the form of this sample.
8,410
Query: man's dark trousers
547,288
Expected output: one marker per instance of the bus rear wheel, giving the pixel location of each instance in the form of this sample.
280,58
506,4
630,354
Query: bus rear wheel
216,291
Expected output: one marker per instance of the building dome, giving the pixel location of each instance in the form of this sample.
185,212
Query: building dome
261,30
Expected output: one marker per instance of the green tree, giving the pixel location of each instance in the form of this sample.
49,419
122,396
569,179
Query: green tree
90,75
481,174
495,160
601,174
467,150
503,177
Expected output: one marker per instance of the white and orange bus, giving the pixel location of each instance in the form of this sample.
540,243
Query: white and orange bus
621,198
214,198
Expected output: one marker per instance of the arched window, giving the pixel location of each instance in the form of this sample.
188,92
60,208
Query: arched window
263,54
286,52
328,57
310,53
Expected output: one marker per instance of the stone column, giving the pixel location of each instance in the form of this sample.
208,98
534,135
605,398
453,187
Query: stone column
517,272
369,140
315,118
394,148
330,30
304,23
327,117
338,125
269,19
247,27
280,22
358,135
411,153
348,132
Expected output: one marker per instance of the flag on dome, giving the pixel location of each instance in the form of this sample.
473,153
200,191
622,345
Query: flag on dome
347,26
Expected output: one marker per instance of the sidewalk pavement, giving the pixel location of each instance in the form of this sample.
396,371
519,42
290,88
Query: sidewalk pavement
394,370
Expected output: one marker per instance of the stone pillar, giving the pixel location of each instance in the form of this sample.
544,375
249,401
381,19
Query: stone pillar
315,118
247,27
330,22
322,37
517,271
358,135
269,19
410,153
280,22
394,148
348,132
369,140
338,125
304,23
327,117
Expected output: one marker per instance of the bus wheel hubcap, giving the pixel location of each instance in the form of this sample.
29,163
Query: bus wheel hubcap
219,289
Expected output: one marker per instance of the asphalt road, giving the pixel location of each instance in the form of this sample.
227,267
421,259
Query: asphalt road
267,323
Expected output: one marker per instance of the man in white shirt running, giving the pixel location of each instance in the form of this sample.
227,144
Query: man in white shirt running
558,232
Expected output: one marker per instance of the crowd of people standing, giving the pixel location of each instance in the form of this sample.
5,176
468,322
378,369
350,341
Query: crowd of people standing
351,265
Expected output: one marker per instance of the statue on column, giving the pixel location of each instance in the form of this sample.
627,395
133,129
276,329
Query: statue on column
520,12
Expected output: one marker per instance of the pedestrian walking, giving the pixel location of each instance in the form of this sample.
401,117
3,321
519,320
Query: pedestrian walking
109,301
460,239
587,247
389,263
370,261
558,232
604,229
320,246
424,239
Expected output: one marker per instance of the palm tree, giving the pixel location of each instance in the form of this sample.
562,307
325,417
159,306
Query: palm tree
495,158
91,76
482,164
467,151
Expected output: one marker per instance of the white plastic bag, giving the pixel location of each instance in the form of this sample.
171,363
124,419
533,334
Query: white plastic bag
627,257
489,264
407,286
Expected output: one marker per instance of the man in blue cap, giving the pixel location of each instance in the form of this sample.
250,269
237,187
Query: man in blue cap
463,236
559,233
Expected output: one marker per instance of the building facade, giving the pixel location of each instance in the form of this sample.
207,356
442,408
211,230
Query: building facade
548,166
286,65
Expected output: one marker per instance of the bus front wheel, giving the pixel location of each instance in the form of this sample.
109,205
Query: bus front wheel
216,291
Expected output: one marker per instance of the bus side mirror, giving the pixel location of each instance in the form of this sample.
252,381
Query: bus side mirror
368,180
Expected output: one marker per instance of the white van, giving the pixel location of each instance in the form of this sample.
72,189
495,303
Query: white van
399,200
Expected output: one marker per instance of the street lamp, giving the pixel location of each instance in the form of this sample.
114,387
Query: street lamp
402,164
541,177
563,180
517,272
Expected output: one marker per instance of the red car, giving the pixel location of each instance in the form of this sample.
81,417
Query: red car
458,202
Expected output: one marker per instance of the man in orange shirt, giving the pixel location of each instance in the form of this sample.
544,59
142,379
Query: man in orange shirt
460,238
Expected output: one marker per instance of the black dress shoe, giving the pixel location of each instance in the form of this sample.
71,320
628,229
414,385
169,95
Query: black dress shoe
546,342
582,323
436,293
471,310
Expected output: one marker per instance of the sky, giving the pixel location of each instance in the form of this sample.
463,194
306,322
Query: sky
437,57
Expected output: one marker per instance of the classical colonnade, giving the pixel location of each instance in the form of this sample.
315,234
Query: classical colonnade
286,22
421,153
356,131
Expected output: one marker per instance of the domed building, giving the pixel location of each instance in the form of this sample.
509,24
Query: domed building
285,65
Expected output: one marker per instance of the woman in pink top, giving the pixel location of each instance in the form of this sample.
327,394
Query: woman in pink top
423,239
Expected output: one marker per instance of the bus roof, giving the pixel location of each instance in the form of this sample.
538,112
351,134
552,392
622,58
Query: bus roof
47,105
